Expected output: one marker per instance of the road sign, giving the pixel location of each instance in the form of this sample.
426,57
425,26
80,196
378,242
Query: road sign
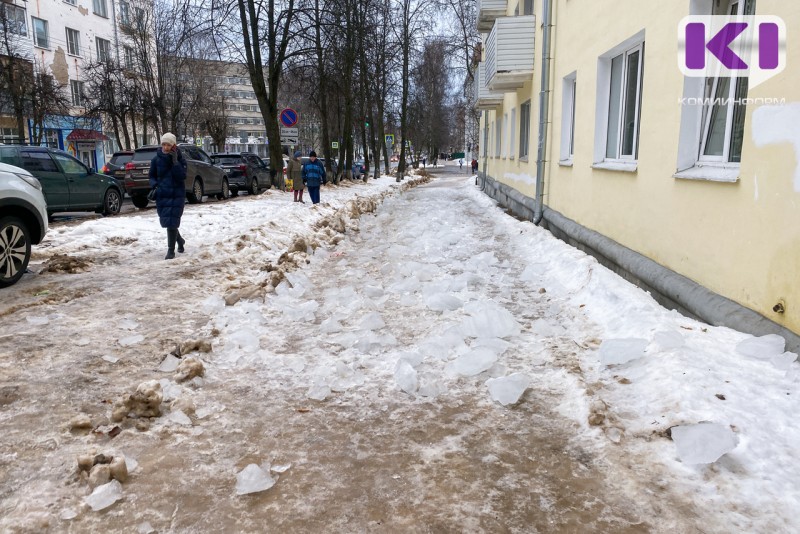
289,140
335,144
390,139
289,132
288,117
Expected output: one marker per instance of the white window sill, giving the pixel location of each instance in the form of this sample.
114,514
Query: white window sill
622,166
524,158
40,47
565,162
710,172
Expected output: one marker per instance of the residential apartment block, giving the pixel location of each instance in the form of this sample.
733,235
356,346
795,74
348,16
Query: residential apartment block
686,184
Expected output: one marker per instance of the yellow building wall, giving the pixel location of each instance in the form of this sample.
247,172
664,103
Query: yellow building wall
741,239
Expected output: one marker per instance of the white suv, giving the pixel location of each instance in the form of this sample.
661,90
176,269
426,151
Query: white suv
23,221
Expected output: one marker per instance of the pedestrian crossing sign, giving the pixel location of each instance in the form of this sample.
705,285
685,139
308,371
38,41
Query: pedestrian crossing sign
389,139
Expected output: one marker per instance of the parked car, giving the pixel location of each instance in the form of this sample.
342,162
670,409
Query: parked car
395,158
245,170
67,184
202,176
23,221
358,169
116,166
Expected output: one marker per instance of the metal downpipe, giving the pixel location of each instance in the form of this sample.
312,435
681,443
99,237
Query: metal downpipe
544,110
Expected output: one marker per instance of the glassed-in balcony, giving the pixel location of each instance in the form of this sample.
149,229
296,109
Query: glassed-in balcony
485,98
509,53
488,11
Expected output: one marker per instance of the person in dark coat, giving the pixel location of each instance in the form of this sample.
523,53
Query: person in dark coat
168,177
314,176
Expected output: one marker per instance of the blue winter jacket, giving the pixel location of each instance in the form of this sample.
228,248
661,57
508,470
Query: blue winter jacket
314,173
168,180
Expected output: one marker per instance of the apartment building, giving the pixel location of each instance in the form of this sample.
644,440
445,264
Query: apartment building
67,35
685,183
16,49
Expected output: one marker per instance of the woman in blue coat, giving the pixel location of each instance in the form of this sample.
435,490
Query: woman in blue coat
167,178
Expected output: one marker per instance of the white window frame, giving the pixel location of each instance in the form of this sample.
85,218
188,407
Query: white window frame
105,45
569,86
36,41
524,130
708,111
498,126
124,13
71,2
16,18
76,90
692,163
504,137
603,100
100,8
73,42
512,133
128,57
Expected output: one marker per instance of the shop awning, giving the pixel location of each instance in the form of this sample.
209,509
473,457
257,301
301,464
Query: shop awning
79,134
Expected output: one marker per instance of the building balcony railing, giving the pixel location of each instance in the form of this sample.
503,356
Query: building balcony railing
488,11
484,97
509,53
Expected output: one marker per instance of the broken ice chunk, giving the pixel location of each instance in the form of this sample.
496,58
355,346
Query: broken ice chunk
406,377
508,389
104,496
372,321
474,362
667,340
179,417
783,361
253,479
764,347
38,321
169,364
618,351
318,392
131,340
443,302
703,443
489,319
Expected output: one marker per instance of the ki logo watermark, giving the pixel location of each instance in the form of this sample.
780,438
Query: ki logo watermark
726,46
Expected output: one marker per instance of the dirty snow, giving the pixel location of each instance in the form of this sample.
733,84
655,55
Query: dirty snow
339,332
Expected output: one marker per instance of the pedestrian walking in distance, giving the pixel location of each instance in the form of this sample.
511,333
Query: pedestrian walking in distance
461,163
167,179
313,176
295,170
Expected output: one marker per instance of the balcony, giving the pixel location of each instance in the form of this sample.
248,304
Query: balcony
509,53
484,98
488,11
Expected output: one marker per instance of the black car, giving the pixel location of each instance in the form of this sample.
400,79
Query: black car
116,166
245,170
67,184
202,176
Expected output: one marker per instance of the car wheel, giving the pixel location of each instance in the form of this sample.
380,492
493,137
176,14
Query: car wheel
140,202
196,196
226,191
112,203
254,190
15,250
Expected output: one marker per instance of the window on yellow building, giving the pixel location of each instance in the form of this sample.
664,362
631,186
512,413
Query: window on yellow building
619,99
568,88
623,105
524,129
723,112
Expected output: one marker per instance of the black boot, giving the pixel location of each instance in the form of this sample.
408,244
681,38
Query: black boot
172,235
181,242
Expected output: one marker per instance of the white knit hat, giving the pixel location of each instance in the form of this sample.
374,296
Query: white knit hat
169,138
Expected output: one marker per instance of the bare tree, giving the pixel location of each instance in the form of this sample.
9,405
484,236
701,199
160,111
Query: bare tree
267,25
16,68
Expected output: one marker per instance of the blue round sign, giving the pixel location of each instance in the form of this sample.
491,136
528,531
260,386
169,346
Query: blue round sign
288,117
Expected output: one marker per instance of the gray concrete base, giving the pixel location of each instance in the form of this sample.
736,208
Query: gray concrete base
668,288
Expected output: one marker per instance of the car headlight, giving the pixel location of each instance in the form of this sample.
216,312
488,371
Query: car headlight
31,180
